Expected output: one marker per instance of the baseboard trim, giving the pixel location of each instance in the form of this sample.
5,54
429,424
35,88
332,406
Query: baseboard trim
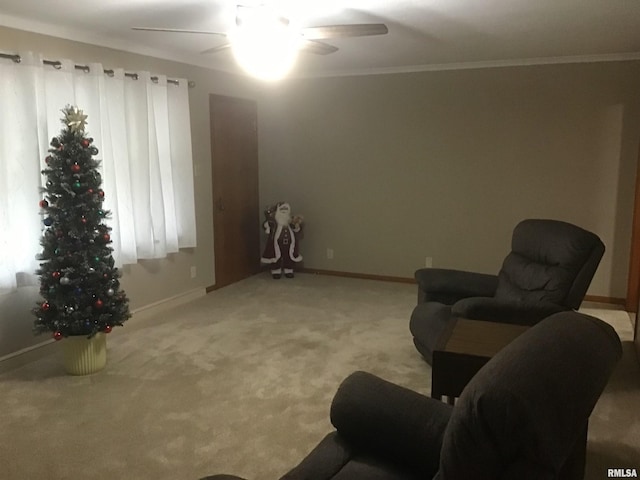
26,355
363,276
32,353
387,278
608,300
167,303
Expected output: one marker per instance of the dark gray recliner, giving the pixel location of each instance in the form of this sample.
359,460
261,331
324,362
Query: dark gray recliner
524,415
549,270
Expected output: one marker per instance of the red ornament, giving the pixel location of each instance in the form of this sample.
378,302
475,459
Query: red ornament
85,142
98,304
47,159
57,335
75,168
61,147
106,237
83,220
43,204
108,329
101,193
45,306
56,274
90,191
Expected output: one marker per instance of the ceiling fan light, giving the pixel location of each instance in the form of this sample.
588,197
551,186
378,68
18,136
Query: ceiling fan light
264,46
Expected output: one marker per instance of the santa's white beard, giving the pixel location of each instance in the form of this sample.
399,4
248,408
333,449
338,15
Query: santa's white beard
283,218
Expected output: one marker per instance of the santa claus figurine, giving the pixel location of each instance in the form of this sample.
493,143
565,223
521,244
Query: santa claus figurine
283,232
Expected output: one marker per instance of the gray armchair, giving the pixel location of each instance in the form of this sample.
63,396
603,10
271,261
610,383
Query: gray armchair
548,270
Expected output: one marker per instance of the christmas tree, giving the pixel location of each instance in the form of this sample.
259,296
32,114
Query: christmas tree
78,279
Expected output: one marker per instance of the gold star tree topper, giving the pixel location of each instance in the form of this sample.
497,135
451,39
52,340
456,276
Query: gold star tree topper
74,119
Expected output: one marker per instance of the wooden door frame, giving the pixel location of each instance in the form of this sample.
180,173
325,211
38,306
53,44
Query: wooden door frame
633,285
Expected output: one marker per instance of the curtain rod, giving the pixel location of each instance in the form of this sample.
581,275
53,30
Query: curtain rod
85,68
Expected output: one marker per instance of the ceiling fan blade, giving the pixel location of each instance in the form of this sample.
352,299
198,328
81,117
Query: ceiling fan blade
318,48
176,30
342,31
217,49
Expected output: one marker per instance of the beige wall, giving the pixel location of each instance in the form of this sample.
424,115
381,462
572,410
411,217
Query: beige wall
391,169
148,281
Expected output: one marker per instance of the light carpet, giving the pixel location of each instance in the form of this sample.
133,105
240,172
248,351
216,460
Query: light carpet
241,381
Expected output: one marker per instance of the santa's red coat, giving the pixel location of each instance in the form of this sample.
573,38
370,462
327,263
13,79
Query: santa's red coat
282,243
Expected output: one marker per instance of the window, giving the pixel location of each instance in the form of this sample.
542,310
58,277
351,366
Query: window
141,127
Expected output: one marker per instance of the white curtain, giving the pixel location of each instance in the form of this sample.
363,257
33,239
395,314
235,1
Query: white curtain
143,133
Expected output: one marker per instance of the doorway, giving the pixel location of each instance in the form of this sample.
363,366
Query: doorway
234,158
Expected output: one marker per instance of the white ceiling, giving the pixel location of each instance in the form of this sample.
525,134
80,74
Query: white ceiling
423,34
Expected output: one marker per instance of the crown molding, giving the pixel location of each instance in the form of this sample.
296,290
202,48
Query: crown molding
520,62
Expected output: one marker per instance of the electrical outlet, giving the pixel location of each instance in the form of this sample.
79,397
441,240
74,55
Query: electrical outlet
428,262
330,253
194,271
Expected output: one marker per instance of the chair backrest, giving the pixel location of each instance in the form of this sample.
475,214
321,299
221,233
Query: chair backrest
524,411
550,260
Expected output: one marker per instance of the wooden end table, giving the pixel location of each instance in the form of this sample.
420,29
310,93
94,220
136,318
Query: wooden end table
464,350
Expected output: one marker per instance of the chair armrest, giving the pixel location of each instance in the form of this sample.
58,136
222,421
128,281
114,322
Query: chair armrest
324,461
386,421
448,286
494,310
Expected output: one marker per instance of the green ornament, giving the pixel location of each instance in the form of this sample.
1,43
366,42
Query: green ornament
96,259
76,184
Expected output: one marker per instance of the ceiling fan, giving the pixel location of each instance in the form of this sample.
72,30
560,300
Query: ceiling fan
308,39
